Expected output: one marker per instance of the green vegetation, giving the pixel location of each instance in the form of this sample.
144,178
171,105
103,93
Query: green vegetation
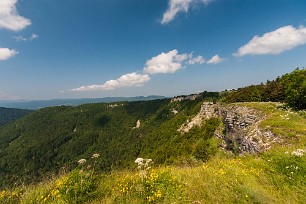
40,144
277,176
290,88
87,154
8,115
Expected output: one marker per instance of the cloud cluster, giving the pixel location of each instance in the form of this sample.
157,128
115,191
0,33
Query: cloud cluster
275,42
127,80
11,20
24,39
163,63
178,6
197,60
6,53
9,17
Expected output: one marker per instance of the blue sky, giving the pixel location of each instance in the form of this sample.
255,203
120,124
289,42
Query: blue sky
98,48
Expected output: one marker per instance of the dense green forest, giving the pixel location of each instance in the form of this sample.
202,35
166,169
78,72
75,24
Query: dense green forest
53,138
11,114
289,88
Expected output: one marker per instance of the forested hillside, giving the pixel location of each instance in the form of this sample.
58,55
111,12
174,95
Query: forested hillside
44,142
289,88
10,114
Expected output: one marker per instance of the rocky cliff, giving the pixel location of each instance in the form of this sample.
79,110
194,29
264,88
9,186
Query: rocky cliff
241,131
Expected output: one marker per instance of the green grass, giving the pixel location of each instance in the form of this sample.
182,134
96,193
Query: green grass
287,124
272,177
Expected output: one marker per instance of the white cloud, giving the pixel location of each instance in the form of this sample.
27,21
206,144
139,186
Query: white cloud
9,17
34,36
6,96
178,6
127,80
215,60
24,39
163,63
20,38
275,42
197,60
6,53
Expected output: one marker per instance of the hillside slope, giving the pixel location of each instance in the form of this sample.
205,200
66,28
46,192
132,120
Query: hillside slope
8,115
52,138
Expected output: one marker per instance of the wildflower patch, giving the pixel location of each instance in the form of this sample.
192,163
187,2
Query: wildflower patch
147,185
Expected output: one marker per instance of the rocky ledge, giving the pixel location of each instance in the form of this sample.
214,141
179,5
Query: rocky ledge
241,130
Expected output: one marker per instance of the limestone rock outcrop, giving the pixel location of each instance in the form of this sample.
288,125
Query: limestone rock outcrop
241,132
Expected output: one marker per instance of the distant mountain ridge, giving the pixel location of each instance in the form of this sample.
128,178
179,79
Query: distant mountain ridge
37,104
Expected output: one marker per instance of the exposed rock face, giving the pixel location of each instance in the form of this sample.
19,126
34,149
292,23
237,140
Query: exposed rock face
189,97
137,124
238,118
174,111
241,127
207,111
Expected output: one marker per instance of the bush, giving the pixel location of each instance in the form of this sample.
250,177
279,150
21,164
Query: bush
204,149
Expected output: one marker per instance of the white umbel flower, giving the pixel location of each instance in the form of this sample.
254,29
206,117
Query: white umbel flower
139,161
298,152
96,155
82,161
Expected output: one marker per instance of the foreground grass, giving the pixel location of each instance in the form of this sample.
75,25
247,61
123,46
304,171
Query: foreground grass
277,176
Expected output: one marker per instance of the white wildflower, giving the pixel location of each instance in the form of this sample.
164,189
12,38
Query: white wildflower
139,161
143,166
286,152
300,150
148,162
82,161
298,153
96,155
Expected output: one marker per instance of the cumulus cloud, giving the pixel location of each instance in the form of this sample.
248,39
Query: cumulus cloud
178,6
275,42
127,80
24,39
163,63
9,17
6,53
197,60
215,60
